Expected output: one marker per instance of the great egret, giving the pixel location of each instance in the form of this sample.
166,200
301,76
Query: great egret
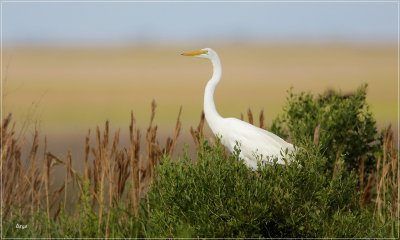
255,144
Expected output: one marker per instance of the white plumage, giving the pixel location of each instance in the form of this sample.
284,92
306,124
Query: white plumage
255,144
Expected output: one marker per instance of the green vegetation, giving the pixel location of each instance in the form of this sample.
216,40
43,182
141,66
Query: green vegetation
341,125
342,182
217,196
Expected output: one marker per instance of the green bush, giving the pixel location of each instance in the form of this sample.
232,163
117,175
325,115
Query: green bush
218,196
346,126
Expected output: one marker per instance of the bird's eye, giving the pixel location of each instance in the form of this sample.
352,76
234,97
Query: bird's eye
204,51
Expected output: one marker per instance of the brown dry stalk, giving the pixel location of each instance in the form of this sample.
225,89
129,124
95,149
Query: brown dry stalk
54,196
33,153
338,165
361,171
98,175
46,182
135,164
171,142
198,133
9,152
387,182
250,116
68,174
153,149
366,196
261,119
316,134
121,173
86,159
111,181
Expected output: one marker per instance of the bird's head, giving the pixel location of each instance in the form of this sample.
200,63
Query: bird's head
202,53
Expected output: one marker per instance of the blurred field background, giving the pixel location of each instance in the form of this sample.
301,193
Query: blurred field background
65,91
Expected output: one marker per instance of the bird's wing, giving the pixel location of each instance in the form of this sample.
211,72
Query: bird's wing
254,140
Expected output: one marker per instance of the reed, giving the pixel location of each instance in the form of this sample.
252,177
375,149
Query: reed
197,134
250,116
135,164
115,174
387,182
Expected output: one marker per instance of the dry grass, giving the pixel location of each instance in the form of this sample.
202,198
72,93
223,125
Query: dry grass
387,180
113,172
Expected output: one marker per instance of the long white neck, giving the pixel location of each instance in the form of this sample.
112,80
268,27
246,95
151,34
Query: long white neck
212,116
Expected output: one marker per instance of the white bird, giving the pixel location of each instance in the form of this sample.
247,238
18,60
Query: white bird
255,144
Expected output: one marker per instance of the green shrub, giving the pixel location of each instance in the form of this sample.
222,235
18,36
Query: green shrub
218,196
346,126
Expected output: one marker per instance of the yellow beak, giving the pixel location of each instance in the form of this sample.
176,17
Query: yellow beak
194,53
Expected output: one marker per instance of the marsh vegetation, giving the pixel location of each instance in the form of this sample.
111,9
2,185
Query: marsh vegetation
343,181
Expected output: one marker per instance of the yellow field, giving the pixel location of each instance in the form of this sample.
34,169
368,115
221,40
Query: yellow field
70,90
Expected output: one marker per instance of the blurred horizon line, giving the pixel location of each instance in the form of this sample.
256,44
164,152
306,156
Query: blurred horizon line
184,43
